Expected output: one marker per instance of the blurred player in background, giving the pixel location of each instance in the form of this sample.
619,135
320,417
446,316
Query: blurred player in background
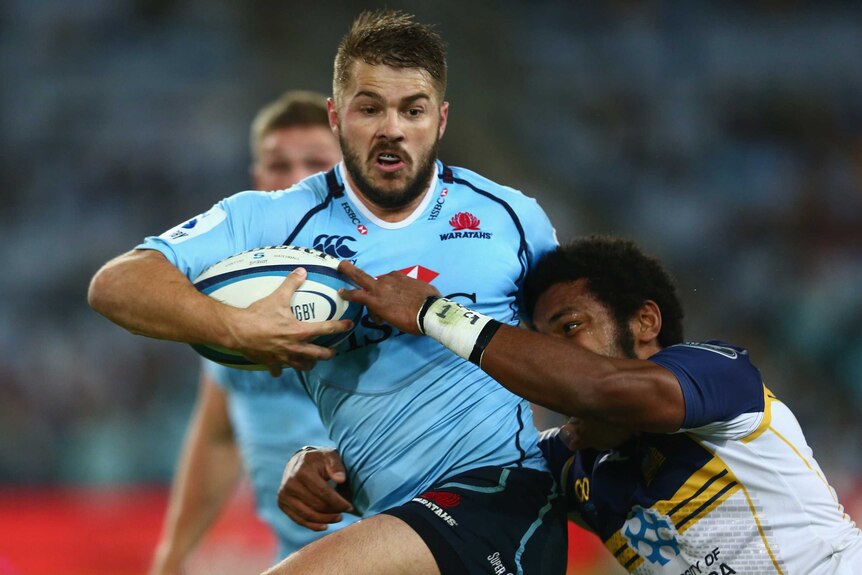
246,418
686,462
408,417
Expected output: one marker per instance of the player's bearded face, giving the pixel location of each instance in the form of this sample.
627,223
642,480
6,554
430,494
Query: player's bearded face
390,189
389,124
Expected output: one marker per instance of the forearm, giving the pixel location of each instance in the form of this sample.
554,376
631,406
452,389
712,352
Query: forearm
555,373
206,475
546,371
144,293
200,491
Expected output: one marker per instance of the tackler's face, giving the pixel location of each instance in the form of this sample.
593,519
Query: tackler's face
389,122
569,311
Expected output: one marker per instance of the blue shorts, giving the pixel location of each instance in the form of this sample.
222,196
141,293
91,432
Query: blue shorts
492,520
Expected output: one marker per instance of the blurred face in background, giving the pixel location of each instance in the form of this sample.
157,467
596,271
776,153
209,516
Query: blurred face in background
288,155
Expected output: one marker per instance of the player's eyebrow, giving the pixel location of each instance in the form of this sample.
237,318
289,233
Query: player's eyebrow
565,311
405,100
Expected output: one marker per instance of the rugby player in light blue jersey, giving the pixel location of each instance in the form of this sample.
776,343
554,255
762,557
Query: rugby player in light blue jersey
245,418
686,462
408,417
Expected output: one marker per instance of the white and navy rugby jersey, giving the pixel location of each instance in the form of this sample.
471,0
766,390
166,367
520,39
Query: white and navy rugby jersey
736,490
403,410
272,418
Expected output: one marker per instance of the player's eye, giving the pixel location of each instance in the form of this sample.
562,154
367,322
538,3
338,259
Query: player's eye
571,326
367,110
280,167
415,112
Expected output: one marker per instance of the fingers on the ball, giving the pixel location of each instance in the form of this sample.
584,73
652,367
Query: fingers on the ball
357,275
292,282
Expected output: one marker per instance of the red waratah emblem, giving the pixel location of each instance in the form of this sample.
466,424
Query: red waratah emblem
442,498
464,221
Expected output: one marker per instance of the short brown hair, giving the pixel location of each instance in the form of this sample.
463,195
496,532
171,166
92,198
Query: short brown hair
391,38
293,108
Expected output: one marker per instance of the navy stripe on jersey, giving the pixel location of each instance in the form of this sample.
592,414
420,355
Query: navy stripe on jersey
448,177
335,191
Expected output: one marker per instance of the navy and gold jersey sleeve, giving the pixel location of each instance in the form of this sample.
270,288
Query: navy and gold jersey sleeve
718,381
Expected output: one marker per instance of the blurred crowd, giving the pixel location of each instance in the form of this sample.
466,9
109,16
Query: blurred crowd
725,137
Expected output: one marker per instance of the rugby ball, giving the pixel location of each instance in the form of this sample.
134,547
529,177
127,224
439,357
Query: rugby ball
248,276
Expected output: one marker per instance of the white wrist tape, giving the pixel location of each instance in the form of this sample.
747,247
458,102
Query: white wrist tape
460,329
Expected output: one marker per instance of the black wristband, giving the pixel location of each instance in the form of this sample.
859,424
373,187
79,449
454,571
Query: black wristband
420,318
483,340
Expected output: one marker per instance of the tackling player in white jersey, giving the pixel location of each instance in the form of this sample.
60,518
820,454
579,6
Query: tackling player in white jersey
688,463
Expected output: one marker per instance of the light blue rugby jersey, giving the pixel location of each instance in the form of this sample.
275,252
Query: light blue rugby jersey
272,417
403,410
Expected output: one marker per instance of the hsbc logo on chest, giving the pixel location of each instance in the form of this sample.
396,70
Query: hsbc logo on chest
465,225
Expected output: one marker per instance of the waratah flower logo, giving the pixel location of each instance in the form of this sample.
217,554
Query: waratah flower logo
464,221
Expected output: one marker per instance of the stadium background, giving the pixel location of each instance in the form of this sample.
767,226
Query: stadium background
725,137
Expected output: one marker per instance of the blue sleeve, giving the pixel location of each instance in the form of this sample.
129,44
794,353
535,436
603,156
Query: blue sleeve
540,237
244,221
718,381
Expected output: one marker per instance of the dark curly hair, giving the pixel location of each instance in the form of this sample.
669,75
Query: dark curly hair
618,274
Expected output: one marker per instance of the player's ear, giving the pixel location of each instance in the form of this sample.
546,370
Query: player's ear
646,325
332,112
444,118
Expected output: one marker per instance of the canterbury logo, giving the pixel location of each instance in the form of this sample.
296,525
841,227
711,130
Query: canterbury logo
334,245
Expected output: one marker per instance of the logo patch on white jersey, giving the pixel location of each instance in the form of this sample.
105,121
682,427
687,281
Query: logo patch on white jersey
195,226
651,535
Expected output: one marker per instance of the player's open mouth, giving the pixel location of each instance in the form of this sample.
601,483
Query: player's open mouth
389,161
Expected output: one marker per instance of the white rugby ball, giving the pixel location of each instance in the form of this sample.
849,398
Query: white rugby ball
248,276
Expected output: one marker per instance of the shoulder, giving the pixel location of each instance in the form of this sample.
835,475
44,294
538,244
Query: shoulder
519,205
309,192
710,353
481,184
718,380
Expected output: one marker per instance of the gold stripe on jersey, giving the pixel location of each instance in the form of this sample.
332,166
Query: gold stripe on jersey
768,398
619,547
760,531
706,489
810,468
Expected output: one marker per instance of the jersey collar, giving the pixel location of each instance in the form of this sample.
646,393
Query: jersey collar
412,217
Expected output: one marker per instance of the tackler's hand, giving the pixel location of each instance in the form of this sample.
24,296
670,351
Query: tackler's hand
309,492
392,298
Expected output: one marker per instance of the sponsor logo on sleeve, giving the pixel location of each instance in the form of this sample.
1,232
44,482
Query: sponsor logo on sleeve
195,227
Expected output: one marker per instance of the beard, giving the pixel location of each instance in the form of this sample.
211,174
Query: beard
625,340
390,198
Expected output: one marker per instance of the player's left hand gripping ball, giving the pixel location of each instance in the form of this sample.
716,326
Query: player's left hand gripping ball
248,276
